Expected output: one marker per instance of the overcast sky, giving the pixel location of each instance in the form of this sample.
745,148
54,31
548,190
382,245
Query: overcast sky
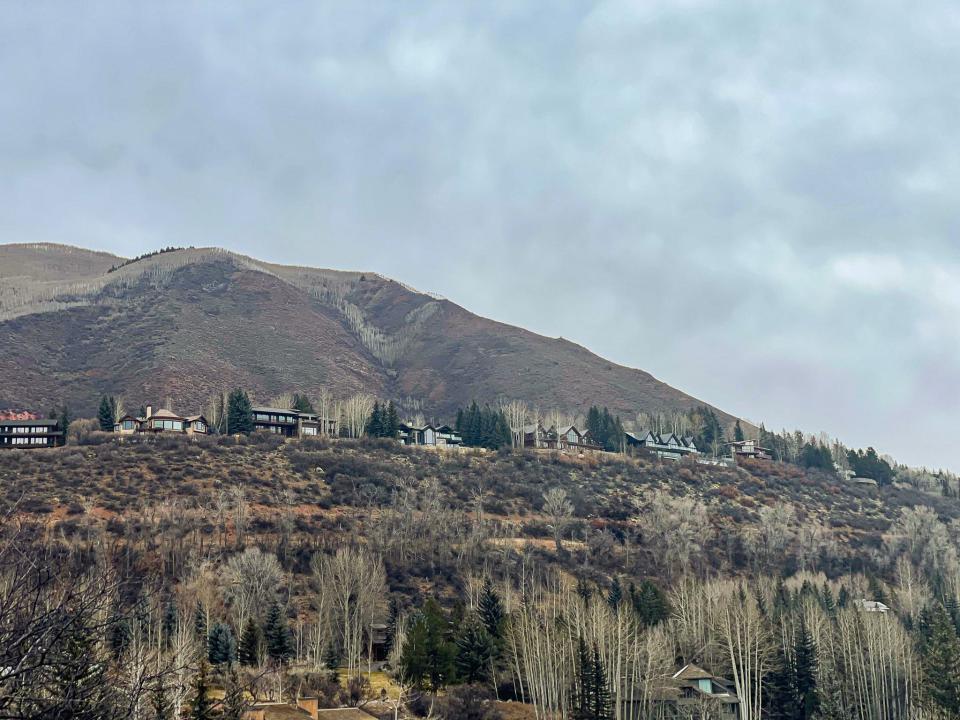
755,201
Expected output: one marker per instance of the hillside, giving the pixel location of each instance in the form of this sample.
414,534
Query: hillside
189,323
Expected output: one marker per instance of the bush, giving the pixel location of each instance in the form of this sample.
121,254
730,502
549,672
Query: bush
468,702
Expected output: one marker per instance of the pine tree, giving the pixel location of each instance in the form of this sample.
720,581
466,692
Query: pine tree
581,696
301,403
738,432
169,624
239,413
940,659
200,625
234,699
105,413
201,706
375,423
491,610
222,645
475,652
251,644
780,700
650,604
279,642
427,660
600,706
392,421
332,659
805,673
615,596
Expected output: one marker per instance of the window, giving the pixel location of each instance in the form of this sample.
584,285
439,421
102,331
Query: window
309,431
128,425
199,426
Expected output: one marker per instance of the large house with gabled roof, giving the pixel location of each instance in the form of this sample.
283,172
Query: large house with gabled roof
691,693
667,446
162,421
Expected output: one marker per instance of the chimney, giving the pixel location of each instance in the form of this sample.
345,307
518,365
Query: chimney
149,411
311,705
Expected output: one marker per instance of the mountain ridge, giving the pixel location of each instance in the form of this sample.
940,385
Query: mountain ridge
360,331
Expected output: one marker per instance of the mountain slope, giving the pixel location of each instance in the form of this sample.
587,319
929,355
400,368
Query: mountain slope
193,322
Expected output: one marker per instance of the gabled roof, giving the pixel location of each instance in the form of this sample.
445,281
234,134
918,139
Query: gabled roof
692,672
165,414
194,418
274,411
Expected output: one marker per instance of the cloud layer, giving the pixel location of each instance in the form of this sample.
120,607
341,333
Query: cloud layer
754,201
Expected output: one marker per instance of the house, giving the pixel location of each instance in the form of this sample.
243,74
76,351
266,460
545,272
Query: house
667,446
537,436
443,436
570,438
874,606
749,449
30,432
692,692
162,421
291,423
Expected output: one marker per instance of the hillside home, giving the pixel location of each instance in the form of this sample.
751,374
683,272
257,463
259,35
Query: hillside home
749,449
572,439
30,433
667,446
162,421
692,692
537,436
872,606
291,423
443,436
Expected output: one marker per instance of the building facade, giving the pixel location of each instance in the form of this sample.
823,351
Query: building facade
30,433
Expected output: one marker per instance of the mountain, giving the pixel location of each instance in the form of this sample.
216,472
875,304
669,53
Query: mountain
185,324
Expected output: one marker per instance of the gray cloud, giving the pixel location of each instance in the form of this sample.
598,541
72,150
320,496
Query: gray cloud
754,201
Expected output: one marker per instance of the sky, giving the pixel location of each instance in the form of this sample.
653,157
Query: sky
754,201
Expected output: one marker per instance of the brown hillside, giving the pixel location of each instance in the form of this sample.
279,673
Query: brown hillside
188,323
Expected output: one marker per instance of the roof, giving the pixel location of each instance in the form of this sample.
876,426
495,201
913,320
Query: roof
164,413
275,411
194,418
343,714
284,711
692,672
29,423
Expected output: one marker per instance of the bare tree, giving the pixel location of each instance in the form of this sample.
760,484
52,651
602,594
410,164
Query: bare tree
251,579
559,510
356,413
516,412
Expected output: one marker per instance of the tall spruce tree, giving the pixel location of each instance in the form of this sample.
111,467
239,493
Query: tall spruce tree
251,644
940,659
279,641
301,403
375,422
105,414
427,659
391,422
221,645
239,413
201,705
476,652
491,610
601,708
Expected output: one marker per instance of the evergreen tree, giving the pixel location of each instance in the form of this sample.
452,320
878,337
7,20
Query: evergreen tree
222,645
427,660
80,684
301,403
738,432
805,673
169,624
332,659
600,702
251,644
375,422
391,421
234,701
780,700
940,659
200,625
393,617
650,604
615,596
105,414
279,642
201,706
581,696
491,610
476,652
239,413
